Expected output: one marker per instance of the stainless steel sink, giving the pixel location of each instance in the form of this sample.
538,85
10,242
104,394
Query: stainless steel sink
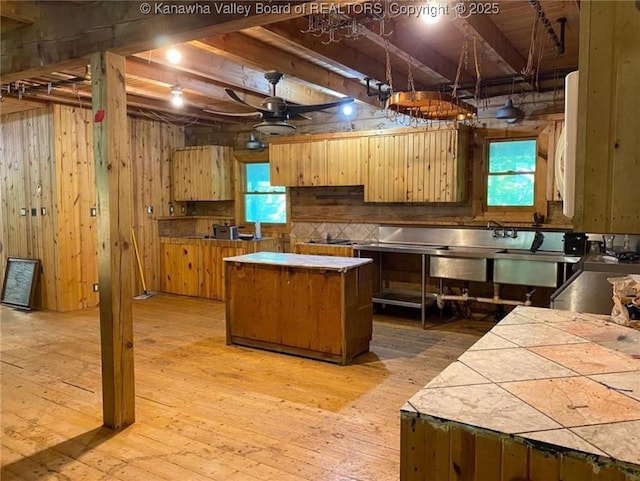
526,272
459,268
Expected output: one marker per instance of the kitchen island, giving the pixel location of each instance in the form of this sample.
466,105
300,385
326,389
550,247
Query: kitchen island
545,395
308,305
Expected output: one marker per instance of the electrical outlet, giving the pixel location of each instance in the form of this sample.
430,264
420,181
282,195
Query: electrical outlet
183,209
43,210
23,211
93,212
95,288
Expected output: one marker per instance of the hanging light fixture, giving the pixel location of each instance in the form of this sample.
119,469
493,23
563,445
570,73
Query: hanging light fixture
254,144
509,113
176,96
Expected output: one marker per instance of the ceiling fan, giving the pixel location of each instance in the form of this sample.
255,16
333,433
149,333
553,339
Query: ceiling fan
275,111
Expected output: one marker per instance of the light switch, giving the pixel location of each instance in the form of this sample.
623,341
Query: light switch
93,211
43,210
34,212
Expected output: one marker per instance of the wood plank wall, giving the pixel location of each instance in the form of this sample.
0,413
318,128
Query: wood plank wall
27,180
54,149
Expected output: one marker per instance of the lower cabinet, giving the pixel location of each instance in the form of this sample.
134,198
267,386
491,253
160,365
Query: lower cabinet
195,267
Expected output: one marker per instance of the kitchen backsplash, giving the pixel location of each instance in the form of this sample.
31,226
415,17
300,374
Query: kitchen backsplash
304,231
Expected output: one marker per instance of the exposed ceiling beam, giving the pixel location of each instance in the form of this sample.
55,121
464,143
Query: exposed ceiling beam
23,12
124,27
499,47
244,49
200,62
407,46
339,54
167,77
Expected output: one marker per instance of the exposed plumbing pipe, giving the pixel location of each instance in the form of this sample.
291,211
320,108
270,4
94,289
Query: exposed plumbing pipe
496,299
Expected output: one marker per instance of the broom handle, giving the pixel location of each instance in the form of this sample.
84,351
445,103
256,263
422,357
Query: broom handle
135,247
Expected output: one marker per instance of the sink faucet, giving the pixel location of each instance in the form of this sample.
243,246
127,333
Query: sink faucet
498,230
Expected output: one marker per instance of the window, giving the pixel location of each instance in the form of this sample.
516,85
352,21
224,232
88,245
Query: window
263,202
511,173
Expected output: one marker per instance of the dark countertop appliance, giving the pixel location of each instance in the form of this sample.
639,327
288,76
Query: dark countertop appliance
226,232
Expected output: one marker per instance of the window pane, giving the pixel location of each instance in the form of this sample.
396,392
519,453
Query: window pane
258,179
270,208
512,156
510,190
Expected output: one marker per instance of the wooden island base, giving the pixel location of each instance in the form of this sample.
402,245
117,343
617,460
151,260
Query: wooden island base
312,306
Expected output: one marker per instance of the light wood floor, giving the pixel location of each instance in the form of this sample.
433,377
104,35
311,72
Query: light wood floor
205,410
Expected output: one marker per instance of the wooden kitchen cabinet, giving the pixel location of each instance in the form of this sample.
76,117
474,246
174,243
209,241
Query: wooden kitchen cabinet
408,165
298,163
195,266
422,166
180,268
608,145
202,173
346,159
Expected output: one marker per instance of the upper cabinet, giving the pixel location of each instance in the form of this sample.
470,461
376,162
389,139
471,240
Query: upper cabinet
394,166
608,147
202,173
427,166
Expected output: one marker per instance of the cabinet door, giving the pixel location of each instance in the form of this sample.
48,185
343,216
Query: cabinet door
202,173
298,164
386,169
180,269
435,168
345,161
213,276
416,167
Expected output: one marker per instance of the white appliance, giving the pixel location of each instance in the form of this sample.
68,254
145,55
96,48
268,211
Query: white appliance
565,165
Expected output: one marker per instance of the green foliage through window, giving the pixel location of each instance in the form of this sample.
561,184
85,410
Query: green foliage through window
263,202
511,176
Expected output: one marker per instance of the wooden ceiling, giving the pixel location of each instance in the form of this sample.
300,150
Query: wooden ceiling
494,41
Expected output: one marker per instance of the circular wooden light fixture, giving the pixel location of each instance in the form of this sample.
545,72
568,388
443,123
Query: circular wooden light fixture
430,105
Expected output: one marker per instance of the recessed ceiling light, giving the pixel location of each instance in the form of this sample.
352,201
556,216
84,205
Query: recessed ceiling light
430,19
174,55
347,110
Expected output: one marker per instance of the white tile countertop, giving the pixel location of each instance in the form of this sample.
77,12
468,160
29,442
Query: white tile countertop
565,379
334,263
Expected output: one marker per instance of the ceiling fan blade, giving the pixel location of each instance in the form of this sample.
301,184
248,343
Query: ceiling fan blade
234,96
299,116
300,109
233,114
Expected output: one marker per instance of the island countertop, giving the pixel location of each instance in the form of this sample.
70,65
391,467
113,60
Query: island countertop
340,264
561,381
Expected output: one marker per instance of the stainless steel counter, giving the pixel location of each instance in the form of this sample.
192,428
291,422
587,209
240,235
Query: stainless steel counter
469,252
588,290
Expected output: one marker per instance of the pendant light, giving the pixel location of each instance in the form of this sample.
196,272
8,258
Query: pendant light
254,144
509,113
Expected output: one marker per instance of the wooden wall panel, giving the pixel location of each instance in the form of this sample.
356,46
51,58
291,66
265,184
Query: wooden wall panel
75,195
47,162
152,144
27,181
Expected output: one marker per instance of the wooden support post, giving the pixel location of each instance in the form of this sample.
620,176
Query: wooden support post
113,186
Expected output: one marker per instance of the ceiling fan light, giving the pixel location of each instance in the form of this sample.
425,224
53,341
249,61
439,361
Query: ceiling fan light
274,128
509,113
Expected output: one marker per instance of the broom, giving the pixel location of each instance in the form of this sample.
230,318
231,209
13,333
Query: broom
145,294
